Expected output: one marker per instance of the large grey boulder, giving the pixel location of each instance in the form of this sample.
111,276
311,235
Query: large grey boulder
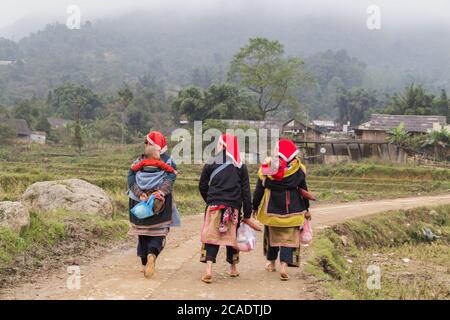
72,194
13,215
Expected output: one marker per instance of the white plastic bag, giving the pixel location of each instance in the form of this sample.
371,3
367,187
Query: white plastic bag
306,234
246,238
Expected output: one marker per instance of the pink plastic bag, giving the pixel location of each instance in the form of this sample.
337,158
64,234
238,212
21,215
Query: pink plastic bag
245,238
306,234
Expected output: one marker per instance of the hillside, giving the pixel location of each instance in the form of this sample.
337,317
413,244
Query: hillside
106,53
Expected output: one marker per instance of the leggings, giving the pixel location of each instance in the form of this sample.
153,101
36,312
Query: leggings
286,254
149,245
210,251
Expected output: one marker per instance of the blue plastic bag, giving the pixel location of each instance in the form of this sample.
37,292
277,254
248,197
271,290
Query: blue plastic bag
144,209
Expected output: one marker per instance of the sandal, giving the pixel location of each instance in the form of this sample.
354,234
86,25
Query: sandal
270,267
206,278
150,266
234,275
284,277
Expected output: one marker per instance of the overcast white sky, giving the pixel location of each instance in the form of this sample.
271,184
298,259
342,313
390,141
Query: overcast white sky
421,11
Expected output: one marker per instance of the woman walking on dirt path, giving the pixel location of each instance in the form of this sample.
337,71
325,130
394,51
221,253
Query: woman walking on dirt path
280,206
152,231
225,187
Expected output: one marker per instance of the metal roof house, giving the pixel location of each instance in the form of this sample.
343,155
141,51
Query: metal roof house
324,125
380,124
302,130
268,124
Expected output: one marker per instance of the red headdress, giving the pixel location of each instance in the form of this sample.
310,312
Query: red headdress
156,138
286,151
230,144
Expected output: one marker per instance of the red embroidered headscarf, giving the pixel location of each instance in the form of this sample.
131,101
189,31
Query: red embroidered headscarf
230,144
286,151
156,138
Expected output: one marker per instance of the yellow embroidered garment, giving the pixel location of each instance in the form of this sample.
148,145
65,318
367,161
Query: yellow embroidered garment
279,221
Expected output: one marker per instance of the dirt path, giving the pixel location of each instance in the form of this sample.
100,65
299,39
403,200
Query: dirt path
116,275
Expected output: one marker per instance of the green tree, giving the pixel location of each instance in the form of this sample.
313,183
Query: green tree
399,136
442,105
4,113
125,98
42,124
414,101
439,141
261,67
223,101
6,132
354,105
201,77
109,129
68,98
76,99
190,102
77,137
26,110
138,120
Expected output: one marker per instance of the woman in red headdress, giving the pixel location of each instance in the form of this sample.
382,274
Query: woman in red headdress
152,231
281,207
225,187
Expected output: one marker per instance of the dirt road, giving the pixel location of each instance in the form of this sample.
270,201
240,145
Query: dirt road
116,275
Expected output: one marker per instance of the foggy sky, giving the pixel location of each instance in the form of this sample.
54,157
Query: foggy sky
403,12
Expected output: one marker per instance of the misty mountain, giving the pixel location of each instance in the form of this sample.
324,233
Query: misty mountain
24,26
108,52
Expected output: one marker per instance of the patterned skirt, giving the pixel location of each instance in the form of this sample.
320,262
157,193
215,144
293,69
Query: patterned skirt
211,233
283,237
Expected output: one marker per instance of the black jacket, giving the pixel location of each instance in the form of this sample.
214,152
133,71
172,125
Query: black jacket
285,197
229,187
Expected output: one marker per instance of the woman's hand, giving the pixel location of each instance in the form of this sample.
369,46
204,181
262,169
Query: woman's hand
162,194
308,215
252,224
143,197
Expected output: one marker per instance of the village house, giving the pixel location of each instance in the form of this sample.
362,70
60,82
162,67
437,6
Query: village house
256,124
20,126
301,131
272,126
38,137
23,132
325,125
380,125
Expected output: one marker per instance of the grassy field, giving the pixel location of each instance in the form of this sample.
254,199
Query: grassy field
55,234
107,166
411,265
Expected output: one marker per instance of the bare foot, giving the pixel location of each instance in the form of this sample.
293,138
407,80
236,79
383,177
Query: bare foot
270,266
207,278
150,266
233,271
283,274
